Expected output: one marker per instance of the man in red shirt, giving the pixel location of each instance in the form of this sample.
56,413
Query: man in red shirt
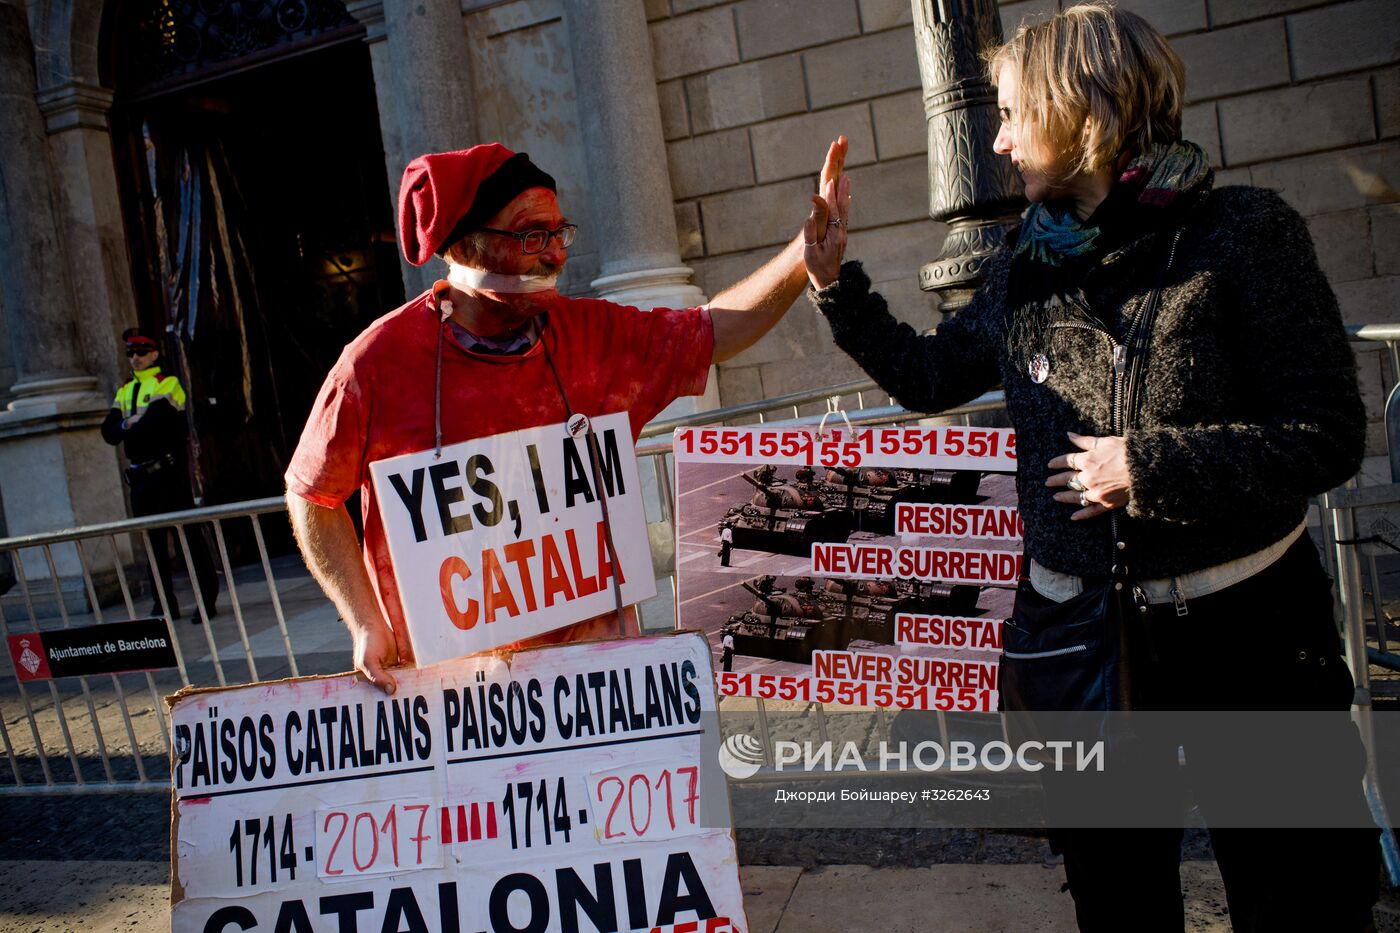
492,349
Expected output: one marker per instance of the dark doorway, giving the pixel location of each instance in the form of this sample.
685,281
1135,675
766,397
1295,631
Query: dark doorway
258,215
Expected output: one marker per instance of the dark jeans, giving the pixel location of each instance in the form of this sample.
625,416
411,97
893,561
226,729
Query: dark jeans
155,498
1266,643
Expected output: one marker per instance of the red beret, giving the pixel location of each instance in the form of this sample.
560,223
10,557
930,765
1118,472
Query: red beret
444,195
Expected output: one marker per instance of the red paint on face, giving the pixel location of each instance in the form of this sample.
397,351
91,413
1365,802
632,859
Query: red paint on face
532,209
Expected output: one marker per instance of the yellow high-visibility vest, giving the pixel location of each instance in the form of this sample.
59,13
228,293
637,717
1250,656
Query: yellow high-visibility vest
152,387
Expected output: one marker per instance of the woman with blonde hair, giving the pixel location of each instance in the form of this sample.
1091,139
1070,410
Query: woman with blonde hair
1175,366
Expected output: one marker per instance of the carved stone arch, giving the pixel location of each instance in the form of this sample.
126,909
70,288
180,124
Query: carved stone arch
66,36
75,107
57,241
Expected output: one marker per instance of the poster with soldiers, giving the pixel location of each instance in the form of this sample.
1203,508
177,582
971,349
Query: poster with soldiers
857,567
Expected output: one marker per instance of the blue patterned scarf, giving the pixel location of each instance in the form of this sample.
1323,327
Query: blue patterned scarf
1053,233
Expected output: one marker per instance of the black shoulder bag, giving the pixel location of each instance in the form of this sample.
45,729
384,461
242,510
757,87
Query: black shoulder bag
1079,655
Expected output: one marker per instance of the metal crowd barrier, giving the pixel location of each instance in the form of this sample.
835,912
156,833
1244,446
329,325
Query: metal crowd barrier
110,548
126,763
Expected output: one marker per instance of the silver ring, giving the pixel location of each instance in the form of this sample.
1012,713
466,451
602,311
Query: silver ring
1084,498
1075,484
838,222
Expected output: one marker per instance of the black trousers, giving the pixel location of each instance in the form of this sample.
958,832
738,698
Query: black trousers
1266,643
152,497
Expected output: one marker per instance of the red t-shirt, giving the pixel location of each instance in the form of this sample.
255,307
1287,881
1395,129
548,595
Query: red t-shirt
377,402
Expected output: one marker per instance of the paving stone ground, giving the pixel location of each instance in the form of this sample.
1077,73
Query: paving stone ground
98,863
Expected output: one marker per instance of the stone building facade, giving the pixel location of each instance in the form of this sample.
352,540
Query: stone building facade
1297,95
686,135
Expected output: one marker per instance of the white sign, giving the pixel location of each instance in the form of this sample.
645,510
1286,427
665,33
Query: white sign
565,788
502,538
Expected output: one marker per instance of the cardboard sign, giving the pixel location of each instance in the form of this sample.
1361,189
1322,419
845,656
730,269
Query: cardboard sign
108,648
872,568
564,788
502,538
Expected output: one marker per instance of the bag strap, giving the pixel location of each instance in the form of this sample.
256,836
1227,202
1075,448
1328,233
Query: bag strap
1140,336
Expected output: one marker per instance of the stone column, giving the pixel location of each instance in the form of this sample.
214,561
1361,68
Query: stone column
971,189
56,470
630,186
33,273
89,208
418,49
633,207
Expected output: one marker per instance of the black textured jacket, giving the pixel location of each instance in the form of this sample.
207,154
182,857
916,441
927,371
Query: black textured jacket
1249,401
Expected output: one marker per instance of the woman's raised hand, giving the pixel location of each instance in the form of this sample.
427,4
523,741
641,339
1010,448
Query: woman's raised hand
824,233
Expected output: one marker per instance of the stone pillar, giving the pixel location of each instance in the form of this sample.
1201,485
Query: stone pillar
418,50
89,209
633,207
971,189
56,470
33,273
620,116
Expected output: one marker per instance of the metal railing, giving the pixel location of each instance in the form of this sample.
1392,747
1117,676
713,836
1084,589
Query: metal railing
103,554
138,762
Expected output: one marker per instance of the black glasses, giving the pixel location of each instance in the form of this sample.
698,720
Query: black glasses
137,351
537,241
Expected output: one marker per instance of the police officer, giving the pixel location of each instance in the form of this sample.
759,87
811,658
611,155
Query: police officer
148,416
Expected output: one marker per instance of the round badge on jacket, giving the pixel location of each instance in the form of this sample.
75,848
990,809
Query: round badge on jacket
1039,368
